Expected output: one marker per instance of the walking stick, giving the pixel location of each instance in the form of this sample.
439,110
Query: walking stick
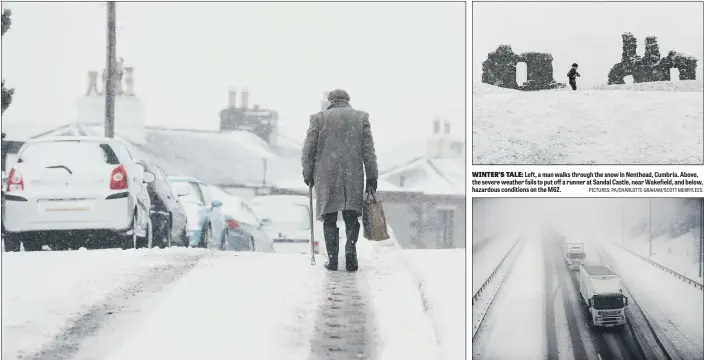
312,231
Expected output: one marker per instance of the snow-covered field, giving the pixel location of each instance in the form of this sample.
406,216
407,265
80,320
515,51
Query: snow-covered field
44,292
76,304
679,254
657,123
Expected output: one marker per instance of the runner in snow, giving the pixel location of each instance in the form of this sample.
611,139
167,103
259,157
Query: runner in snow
338,150
572,74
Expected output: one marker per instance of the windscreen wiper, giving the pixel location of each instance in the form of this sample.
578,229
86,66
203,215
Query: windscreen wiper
60,166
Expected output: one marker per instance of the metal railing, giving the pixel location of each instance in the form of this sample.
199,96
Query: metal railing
491,276
695,283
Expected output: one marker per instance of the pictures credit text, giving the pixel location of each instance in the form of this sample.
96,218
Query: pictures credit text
597,182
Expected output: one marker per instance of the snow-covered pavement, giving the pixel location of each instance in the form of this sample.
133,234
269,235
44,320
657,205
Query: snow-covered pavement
660,126
192,303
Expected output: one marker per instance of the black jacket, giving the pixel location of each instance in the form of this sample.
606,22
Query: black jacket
573,72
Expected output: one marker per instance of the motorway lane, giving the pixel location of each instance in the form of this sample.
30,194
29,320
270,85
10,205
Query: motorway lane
588,342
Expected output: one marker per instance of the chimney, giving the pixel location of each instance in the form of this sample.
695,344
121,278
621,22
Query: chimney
92,83
325,103
232,98
447,127
436,126
245,98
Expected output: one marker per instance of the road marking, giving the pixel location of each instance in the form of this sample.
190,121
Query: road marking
599,356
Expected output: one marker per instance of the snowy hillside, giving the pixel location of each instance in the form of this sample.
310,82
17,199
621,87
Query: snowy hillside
655,123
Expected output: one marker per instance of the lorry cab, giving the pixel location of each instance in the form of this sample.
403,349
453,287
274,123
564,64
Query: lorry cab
574,254
602,295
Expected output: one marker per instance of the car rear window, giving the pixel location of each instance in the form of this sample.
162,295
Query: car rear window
72,152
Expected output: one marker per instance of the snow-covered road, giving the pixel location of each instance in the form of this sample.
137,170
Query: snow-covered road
190,303
538,310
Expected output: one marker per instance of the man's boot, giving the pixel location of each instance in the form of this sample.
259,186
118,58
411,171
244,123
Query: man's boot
332,244
351,246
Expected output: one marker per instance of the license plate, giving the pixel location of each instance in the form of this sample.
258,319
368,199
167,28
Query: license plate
609,325
74,208
66,206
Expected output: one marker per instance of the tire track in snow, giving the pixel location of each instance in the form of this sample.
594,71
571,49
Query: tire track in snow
578,347
123,302
550,292
342,328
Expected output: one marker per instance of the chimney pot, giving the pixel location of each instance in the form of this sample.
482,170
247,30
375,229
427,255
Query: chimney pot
436,126
245,98
232,98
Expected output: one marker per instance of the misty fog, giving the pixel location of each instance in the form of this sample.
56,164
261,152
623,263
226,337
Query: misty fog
584,218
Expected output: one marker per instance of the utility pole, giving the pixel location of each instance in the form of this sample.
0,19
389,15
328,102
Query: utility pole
110,69
650,227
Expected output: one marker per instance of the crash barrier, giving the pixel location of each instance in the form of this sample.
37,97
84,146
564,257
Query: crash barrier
475,327
696,284
491,276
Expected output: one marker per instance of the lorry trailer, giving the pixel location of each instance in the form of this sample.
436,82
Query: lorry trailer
602,295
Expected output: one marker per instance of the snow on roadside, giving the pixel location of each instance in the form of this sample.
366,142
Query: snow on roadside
233,306
441,277
44,292
675,306
486,260
679,254
586,127
405,330
517,316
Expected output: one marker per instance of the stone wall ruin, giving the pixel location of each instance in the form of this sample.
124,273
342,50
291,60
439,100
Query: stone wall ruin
499,69
650,67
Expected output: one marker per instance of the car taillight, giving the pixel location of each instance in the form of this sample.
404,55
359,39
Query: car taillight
15,181
315,247
232,224
118,178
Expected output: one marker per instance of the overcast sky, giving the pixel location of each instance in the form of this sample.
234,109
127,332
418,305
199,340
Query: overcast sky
402,62
585,33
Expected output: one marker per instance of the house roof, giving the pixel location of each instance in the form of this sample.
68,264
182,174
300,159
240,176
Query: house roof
442,176
232,157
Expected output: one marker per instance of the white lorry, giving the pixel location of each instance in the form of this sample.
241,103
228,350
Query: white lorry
574,254
601,293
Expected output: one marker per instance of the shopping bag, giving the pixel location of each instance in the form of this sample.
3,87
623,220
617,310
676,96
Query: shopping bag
373,218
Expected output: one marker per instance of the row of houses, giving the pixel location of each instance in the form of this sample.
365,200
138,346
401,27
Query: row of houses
423,195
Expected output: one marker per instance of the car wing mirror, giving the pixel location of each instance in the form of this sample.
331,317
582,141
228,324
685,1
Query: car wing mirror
148,177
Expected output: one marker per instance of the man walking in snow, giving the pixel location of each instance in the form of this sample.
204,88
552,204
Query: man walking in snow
338,150
573,74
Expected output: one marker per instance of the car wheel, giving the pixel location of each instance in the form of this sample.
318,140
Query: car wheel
184,237
146,241
164,239
130,241
32,244
12,242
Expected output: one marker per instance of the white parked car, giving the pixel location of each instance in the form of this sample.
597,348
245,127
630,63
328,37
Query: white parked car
288,217
76,191
245,227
